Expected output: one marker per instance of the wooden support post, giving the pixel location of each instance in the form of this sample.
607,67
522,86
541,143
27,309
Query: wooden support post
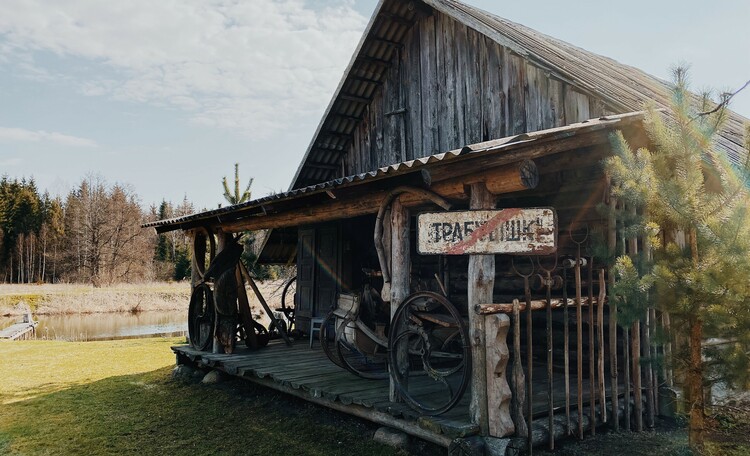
635,335
655,351
550,365
566,350
592,369
647,331
518,379
579,345
637,374
612,247
224,240
626,359
481,283
500,422
400,264
529,367
646,347
600,346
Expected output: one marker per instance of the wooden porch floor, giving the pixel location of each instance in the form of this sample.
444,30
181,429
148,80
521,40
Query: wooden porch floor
308,374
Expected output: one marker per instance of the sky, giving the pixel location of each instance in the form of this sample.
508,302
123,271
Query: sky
166,96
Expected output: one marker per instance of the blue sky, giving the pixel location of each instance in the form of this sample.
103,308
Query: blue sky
166,96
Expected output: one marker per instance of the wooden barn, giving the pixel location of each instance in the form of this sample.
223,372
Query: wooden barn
443,224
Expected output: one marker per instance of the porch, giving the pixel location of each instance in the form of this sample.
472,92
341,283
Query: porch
308,374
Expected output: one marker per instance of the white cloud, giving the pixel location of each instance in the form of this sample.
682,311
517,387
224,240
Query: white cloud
255,66
23,135
10,162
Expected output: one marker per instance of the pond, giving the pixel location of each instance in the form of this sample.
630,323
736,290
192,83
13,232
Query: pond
115,325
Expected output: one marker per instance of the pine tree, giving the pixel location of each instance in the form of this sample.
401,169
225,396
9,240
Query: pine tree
686,188
236,197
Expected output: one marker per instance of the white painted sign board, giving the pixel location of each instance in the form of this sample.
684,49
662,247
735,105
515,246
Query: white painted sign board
529,231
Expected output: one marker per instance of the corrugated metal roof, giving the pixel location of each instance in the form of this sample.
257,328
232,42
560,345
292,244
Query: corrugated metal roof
622,87
496,146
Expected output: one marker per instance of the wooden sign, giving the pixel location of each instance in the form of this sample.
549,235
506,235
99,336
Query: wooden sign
531,231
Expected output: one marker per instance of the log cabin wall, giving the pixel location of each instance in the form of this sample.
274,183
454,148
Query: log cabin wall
449,85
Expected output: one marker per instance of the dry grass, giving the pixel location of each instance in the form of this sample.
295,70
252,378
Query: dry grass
51,299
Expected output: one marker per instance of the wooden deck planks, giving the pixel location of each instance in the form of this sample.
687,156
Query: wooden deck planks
310,375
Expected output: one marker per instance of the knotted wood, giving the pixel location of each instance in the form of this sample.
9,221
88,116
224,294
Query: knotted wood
500,422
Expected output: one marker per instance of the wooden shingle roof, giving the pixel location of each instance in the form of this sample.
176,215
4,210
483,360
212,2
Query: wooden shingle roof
623,88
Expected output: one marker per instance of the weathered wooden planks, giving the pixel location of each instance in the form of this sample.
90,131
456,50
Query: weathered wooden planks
452,86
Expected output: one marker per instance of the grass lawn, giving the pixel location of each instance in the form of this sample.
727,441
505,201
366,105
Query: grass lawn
118,397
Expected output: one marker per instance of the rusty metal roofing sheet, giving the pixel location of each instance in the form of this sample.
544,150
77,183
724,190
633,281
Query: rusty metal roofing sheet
494,146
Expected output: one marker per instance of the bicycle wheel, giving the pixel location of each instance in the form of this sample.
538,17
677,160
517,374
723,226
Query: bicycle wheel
429,353
360,354
328,339
288,300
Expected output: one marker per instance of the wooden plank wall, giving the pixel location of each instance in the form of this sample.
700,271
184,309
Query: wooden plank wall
449,86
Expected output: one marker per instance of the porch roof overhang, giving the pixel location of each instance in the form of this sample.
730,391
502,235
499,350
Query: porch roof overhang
362,193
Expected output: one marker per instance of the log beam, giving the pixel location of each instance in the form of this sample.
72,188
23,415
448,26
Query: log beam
499,180
507,307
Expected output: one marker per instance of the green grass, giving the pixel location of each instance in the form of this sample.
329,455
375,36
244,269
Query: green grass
118,397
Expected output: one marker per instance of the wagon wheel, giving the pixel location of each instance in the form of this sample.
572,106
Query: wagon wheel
429,351
288,300
360,354
201,317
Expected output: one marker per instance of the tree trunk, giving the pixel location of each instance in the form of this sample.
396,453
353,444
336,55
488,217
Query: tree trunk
695,366
695,386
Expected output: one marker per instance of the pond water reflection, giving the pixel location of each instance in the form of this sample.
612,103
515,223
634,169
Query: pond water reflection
107,325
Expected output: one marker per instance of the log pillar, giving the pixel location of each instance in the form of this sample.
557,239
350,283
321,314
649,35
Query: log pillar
481,283
224,240
400,271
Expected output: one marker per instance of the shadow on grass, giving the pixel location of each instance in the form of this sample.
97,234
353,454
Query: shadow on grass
151,413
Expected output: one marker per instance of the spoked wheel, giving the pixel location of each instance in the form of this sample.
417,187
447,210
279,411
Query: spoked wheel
288,301
359,353
429,353
201,317
328,339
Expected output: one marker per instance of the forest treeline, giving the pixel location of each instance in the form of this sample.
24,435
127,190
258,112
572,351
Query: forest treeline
91,235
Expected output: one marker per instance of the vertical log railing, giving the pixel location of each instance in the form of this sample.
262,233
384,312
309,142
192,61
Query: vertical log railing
518,378
592,371
600,346
612,247
635,335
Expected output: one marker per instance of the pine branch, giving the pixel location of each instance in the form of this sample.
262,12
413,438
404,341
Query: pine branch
726,98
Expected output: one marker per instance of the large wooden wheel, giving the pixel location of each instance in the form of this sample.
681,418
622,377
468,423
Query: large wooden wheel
201,317
429,353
